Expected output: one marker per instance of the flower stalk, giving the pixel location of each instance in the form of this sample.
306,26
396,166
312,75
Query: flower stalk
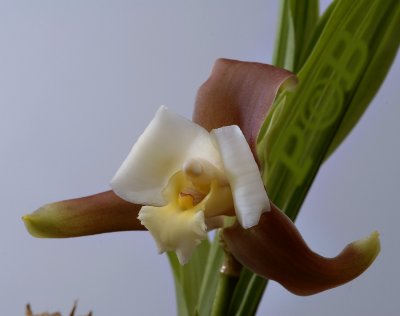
228,278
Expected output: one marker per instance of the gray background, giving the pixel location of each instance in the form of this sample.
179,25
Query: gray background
80,80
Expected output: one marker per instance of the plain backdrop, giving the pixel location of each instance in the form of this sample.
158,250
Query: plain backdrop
80,80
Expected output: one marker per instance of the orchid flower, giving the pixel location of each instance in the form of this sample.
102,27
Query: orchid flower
188,178
191,178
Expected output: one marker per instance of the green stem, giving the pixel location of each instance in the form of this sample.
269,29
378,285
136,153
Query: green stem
226,287
246,297
228,279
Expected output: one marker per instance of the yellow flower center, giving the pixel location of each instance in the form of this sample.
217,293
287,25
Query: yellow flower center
195,194
200,186
185,201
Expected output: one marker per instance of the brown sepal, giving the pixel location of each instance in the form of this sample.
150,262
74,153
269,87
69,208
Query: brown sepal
239,93
100,213
274,249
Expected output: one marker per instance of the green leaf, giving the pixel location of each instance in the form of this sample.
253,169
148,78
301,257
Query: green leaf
179,292
247,295
301,125
385,41
316,34
188,278
357,39
305,16
298,19
223,296
285,42
210,278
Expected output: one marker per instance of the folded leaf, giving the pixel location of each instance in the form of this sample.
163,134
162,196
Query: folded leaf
274,249
100,213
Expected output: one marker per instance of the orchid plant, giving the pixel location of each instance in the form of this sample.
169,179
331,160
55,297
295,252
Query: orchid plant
256,128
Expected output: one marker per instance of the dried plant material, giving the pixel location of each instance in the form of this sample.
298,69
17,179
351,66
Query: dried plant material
28,312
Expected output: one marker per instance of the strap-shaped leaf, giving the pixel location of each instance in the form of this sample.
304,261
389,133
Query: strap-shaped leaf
316,34
182,308
188,279
301,125
210,279
298,19
383,46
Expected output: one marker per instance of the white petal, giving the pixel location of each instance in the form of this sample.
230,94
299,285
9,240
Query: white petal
160,151
249,196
